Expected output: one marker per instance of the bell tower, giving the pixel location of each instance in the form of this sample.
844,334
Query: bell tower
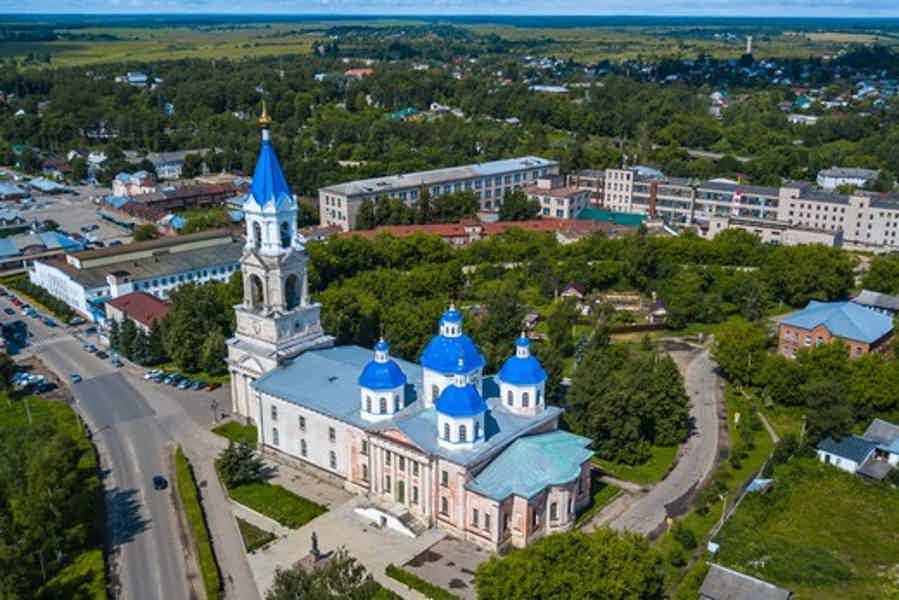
276,319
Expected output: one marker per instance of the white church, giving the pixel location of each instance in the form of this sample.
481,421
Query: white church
438,443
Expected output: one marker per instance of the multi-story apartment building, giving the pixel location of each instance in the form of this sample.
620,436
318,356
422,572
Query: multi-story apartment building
339,204
593,180
557,200
797,212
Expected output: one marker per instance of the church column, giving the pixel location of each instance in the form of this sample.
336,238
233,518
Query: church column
236,408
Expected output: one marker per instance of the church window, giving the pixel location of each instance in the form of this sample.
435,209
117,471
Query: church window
444,478
388,458
285,234
414,469
368,403
382,405
388,487
463,433
435,393
487,521
364,472
302,447
302,423
535,519
539,397
510,398
332,435
474,517
257,298
554,511
444,506
333,459
446,431
275,436
364,451
292,292
477,429
257,235
414,494
525,400
396,403
274,413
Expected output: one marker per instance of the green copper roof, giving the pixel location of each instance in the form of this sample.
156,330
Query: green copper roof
531,463
618,218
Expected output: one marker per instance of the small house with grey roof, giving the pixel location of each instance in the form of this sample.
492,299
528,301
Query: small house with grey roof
438,443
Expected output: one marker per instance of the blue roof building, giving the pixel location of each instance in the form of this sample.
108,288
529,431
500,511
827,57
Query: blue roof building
443,352
861,327
382,373
522,368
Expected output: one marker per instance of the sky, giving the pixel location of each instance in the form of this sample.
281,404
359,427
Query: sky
771,8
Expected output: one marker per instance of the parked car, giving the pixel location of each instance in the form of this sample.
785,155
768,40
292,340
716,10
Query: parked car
16,302
184,384
90,330
159,482
49,322
151,374
116,362
172,379
90,348
102,355
9,311
77,321
199,385
114,243
213,386
74,377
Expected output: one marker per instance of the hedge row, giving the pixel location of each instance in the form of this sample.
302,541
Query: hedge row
193,510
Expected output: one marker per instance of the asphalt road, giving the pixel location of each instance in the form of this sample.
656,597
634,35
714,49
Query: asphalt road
705,389
142,521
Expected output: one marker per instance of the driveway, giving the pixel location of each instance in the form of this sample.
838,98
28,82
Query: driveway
705,389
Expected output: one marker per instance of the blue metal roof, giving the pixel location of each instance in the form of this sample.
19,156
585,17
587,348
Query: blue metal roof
532,463
269,183
451,315
117,201
442,354
843,319
325,381
382,374
852,447
519,370
53,240
460,401
8,247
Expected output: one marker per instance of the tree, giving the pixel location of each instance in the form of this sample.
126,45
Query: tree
145,232
155,344
7,370
192,166
213,353
365,216
603,564
114,335
127,338
79,169
341,578
517,206
740,349
239,464
560,325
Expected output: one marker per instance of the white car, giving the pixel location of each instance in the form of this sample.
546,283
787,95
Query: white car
151,373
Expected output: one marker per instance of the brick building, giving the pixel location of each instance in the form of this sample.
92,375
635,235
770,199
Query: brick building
863,329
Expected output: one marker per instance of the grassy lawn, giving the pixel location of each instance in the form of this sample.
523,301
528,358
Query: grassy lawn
784,419
237,433
820,532
660,462
276,502
193,511
602,494
171,367
253,537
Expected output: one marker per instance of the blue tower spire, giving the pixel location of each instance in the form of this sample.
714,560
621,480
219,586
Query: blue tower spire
269,184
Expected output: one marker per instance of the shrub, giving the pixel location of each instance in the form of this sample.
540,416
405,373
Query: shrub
189,494
417,583
684,536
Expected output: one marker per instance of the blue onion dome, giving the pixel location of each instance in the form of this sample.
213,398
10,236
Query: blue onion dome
444,350
522,368
461,399
382,373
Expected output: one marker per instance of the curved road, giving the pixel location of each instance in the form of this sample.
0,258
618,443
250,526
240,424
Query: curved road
697,459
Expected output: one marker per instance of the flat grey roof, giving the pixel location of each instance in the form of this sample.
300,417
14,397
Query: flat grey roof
150,267
389,183
852,172
722,583
877,300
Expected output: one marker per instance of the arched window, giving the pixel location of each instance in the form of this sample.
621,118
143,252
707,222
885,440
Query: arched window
525,400
333,459
368,403
510,398
285,234
477,430
382,405
257,295
275,436
396,403
302,447
446,431
463,434
292,291
257,235
539,397
435,392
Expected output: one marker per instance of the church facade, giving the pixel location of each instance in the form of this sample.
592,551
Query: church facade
435,444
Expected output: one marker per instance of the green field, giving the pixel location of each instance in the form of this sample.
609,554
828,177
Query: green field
660,462
237,433
189,495
278,503
820,532
253,537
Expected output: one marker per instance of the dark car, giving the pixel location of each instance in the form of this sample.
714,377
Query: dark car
101,354
159,482
9,311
